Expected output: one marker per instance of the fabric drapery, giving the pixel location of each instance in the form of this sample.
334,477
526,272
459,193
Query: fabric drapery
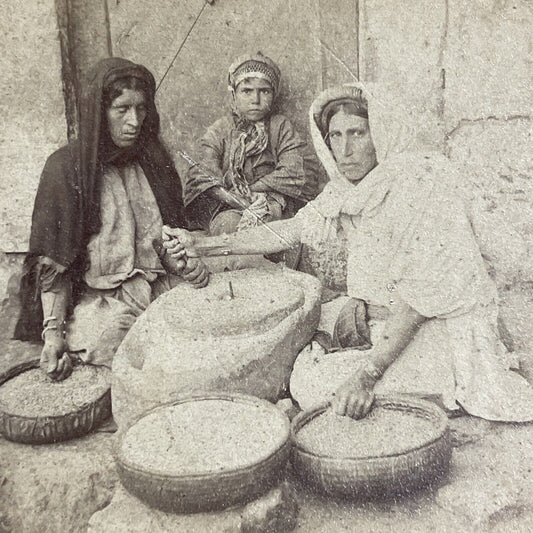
130,222
252,140
67,205
410,239
282,166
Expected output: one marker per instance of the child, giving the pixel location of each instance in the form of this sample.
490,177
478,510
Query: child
250,163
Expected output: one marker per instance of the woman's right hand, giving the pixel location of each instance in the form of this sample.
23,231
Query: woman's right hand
196,273
55,360
354,397
179,243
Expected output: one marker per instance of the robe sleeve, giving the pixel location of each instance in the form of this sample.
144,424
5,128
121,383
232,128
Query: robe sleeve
209,156
55,241
289,177
438,269
317,227
57,229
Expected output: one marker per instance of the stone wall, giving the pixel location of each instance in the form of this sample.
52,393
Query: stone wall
32,110
465,66
32,117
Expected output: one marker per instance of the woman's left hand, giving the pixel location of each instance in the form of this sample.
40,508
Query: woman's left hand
354,398
196,273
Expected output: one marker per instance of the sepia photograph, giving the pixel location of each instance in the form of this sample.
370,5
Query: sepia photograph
266,266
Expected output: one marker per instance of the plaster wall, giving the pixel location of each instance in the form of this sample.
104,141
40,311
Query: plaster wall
463,66
194,92
32,110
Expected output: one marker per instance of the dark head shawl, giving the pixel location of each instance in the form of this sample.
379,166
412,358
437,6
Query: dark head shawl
67,205
95,147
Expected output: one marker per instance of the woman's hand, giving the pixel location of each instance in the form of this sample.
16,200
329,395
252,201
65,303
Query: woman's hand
179,243
196,273
55,360
355,397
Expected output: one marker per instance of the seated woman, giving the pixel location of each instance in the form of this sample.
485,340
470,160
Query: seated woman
250,163
101,203
412,257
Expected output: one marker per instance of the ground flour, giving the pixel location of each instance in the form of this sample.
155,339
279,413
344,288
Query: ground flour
382,432
203,437
33,394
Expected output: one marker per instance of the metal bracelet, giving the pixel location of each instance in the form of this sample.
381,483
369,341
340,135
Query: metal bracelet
60,326
46,321
371,370
47,328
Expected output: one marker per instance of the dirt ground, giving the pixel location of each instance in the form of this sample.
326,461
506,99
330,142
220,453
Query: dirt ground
489,487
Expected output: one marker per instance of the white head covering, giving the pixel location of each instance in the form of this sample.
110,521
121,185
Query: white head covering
392,129
412,241
391,126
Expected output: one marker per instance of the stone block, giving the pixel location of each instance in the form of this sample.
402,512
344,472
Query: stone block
497,162
180,346
401,49
32,110
55,487
275,512
488,59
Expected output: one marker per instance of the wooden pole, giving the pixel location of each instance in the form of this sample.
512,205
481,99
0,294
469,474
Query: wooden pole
84,39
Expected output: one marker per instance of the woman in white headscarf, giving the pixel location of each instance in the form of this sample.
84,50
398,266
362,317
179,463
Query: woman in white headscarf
412,259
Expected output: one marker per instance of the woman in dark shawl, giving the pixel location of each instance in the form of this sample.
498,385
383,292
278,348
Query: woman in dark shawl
102,200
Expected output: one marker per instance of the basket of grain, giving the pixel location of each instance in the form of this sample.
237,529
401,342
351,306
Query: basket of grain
204,452
34,409
401,446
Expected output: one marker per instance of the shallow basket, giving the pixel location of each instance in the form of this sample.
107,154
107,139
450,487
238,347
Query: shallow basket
205,492
49,429
377,477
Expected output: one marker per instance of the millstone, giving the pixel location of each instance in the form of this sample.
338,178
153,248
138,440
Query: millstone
241,333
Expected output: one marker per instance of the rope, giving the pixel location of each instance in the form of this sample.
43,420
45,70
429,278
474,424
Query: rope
182,44
339,60
259,220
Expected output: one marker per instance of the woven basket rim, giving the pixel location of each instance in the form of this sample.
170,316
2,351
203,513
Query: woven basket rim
34,363
438,415
221,474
